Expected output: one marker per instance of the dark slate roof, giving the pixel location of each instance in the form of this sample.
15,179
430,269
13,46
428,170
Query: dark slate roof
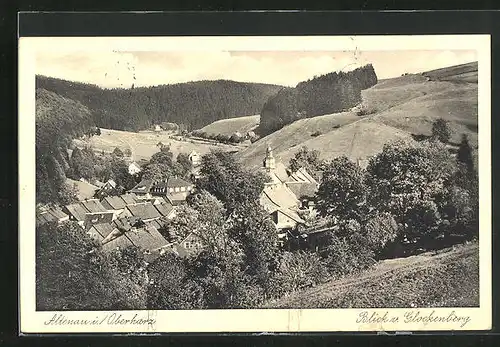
119,240
126,223
155,223
103,229
52,214
148,238
44,217
98,218
172,182
178,182
303,189
176,198
77,211
113,203
164,209
129,198
142,187
93,206
56,212
144,211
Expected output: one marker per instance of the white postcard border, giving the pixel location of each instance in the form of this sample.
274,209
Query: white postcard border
262,320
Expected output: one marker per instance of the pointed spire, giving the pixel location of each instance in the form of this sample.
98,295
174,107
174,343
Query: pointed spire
269,161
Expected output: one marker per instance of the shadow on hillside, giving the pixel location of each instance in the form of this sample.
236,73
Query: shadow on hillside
401,249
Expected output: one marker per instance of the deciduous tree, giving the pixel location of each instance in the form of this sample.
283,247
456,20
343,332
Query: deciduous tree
342,192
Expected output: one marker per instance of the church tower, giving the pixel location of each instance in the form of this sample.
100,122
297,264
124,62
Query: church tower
269,161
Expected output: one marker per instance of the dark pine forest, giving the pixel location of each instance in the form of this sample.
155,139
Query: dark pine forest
193,104
329,93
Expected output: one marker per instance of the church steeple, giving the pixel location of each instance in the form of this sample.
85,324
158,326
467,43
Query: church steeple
269,161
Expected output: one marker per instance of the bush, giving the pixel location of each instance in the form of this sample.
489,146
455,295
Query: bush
345,255
380,230
171,286
118,152
316,134
297,270
441,130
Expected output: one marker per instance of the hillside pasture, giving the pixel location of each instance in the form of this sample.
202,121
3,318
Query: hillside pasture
230,126
459,73
397,109
457,103
358,140
144,144
293,135
447,278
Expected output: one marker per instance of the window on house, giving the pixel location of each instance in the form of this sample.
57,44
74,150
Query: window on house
183,189
171,190
176,189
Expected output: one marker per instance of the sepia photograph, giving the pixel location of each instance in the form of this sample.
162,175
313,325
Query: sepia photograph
245,178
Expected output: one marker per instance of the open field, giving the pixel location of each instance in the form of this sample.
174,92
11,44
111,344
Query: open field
464,73
448,278
397,109
294,135
144,144
232,125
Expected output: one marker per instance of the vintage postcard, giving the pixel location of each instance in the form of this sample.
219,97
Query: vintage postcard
254,184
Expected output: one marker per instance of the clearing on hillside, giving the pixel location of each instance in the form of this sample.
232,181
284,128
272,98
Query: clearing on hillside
395,109
230,126
144,143
447,278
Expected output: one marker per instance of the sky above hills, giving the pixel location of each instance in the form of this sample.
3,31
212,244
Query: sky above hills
126,68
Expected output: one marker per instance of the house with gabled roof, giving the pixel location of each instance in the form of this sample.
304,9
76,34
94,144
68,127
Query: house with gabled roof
115,203
134,168
286,193
76,213
129,198
171,185
190,245
144,211
107,189
51,214
98,218
93,206
195,158
145,236
143,189
166,210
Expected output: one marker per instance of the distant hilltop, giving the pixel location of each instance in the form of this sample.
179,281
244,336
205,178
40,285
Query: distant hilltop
329,93
192,104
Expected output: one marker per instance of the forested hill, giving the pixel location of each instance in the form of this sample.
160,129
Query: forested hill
194,104
58,121
329,93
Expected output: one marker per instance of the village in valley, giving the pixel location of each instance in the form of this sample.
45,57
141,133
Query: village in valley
117,219
217,194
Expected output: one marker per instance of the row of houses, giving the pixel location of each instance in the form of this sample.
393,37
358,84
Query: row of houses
136,217
125,220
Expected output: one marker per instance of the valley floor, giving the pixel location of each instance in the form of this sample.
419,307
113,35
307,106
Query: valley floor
446,278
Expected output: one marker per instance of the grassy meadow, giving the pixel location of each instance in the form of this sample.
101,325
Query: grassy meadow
232,125
447,278
396,109
143,144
